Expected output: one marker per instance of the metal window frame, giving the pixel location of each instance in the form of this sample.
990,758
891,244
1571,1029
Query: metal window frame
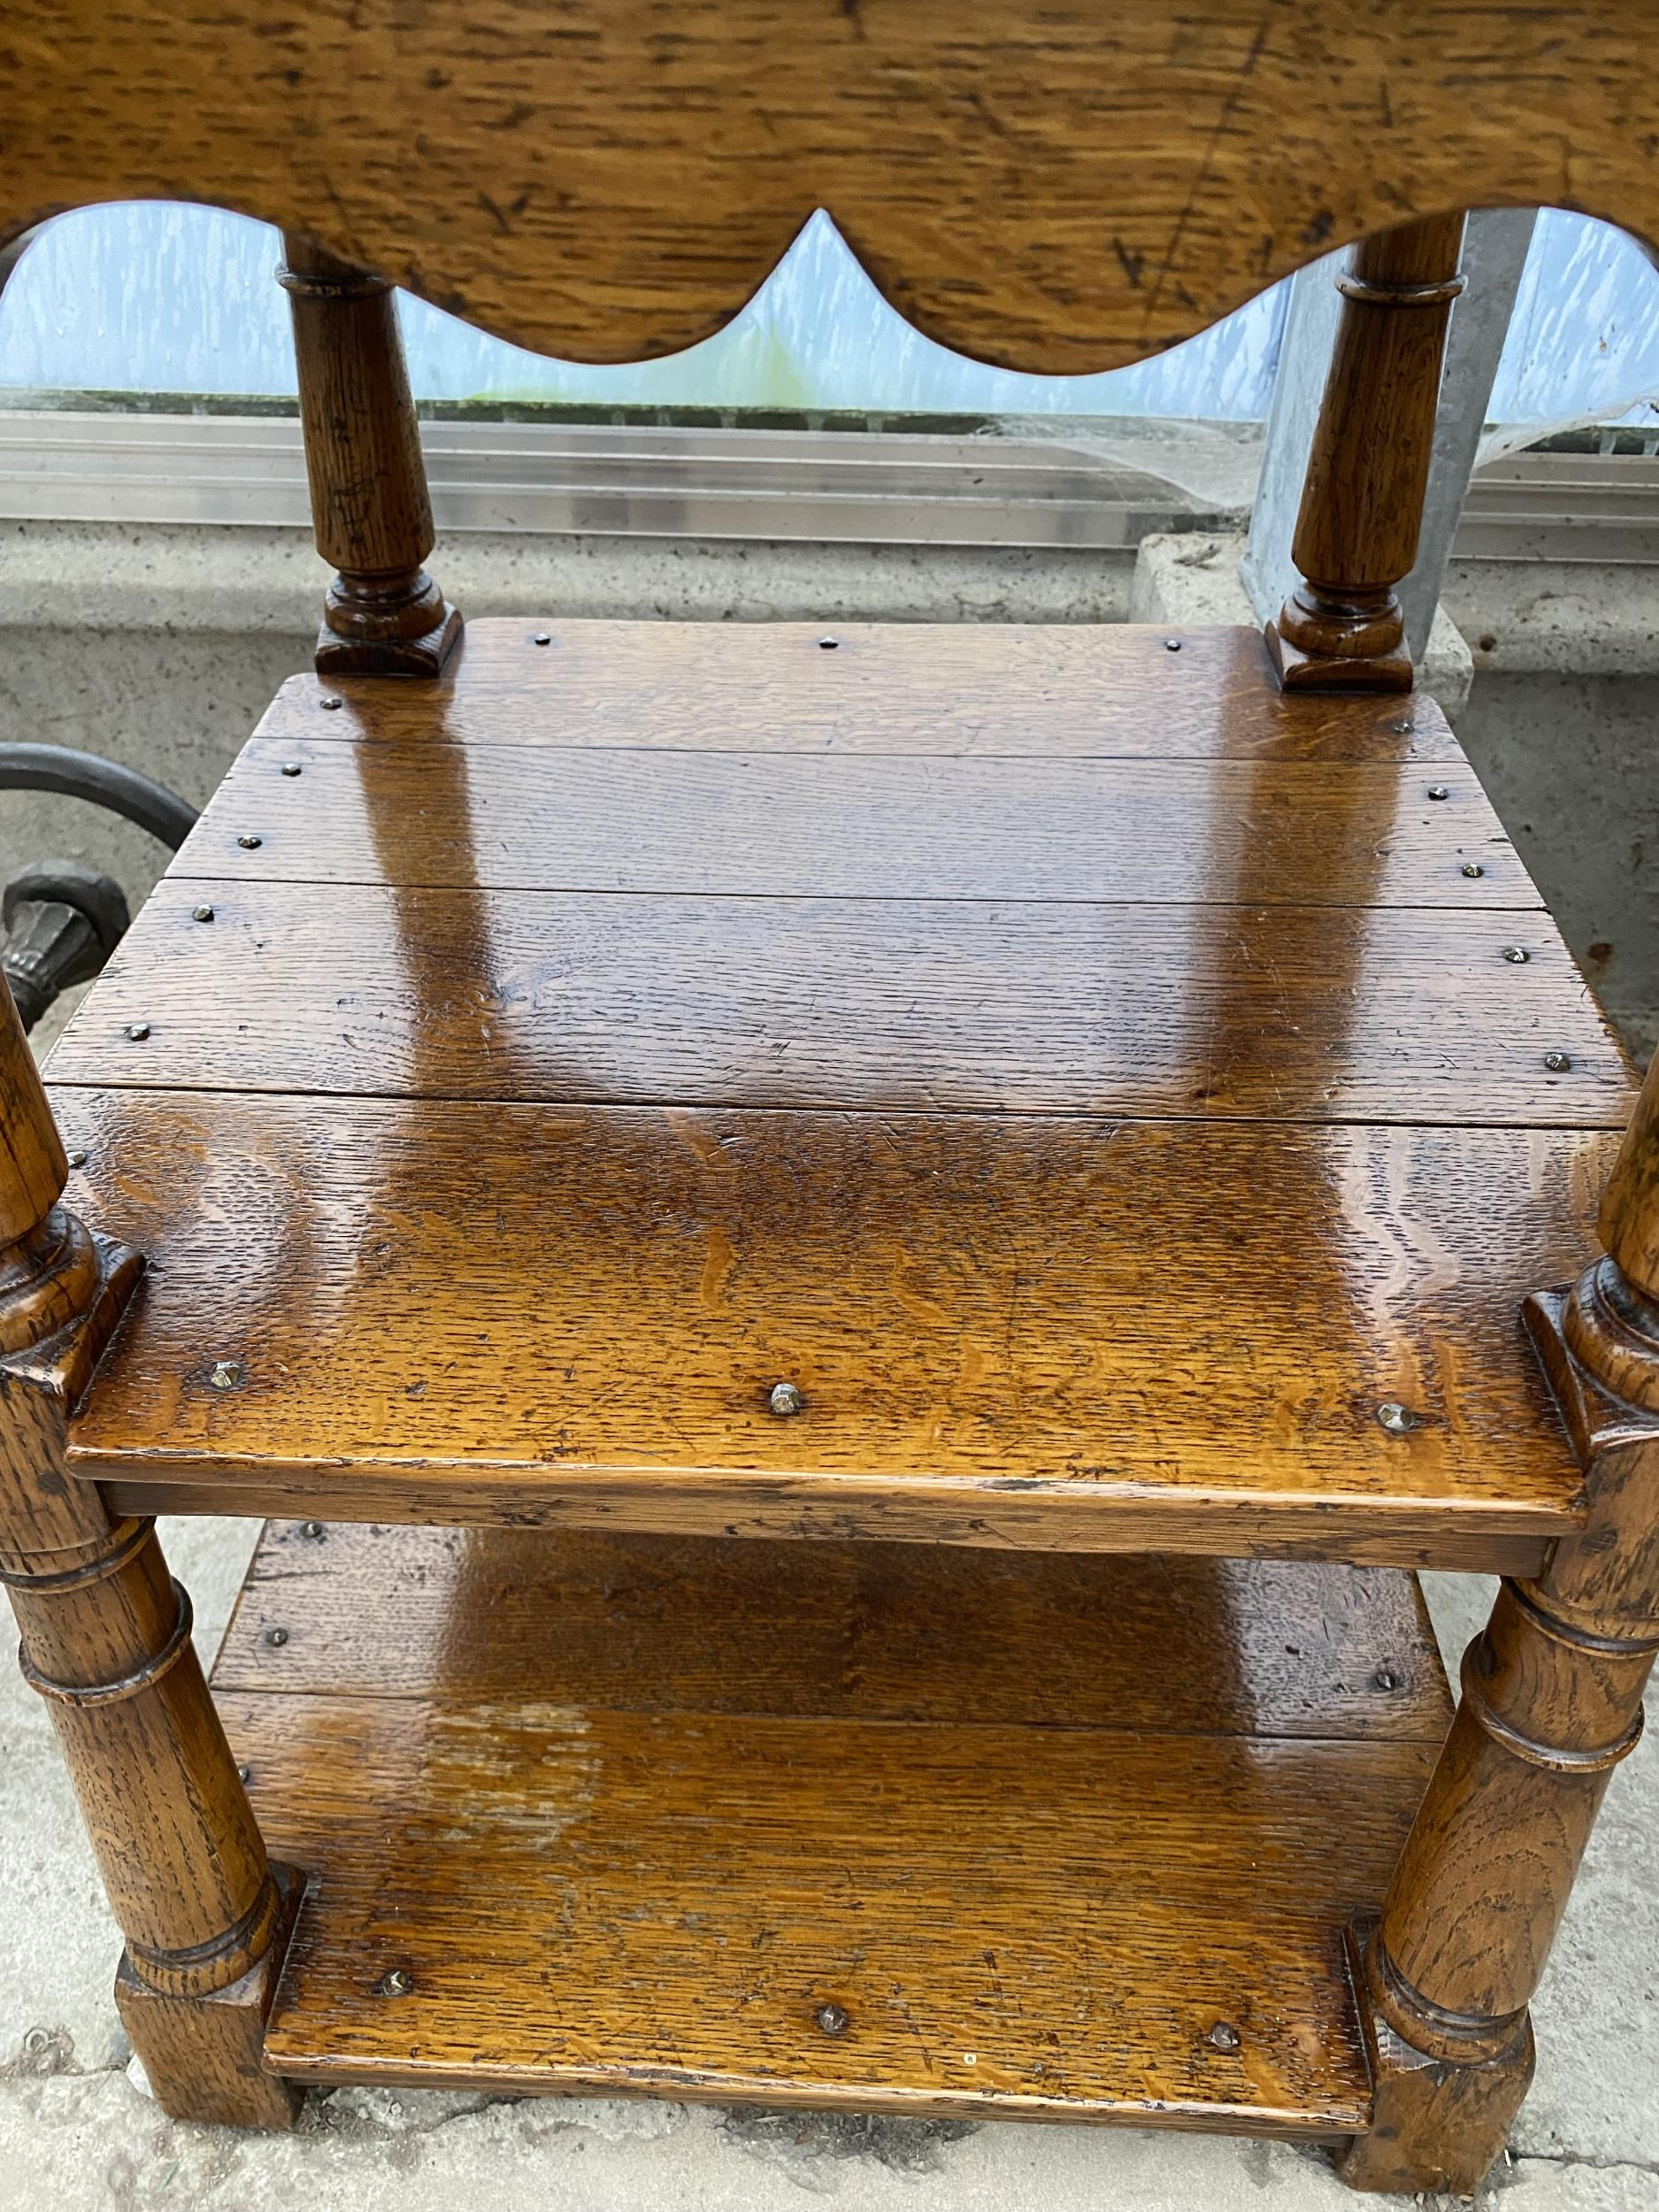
1066,485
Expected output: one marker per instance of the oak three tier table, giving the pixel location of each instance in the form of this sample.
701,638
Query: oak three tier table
855,1264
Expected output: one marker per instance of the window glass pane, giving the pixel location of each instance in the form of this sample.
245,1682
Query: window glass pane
174,299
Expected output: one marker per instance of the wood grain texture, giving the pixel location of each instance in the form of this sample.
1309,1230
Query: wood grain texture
373,519
1318,834
1107,690
32,1170
866,1631
105,1640
618,1750
1006,1331
1207,1012
1049,185
1629,1221
1551,1705
1368,467
663,1904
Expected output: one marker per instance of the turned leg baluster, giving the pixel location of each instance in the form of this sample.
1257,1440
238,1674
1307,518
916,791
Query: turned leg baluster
370,509
1361,503
106,1639
1551,1704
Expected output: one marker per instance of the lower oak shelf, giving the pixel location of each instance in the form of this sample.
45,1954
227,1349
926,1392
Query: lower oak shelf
886,1827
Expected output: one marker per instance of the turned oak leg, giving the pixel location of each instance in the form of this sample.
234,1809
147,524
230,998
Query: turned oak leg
106,1641
1368,470
384,615
1551,1704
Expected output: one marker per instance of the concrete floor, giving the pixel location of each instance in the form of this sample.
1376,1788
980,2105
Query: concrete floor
76,2134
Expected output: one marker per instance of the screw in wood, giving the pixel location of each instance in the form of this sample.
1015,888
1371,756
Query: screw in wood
201,913
331,703
1438,791
312,1530
542,637
1225,2036
1171,645
1404,728
276,1637
1558,1062
1386,1679
399,1983
249,843
76,1159
225,1374
786,1398
830,2018
244,1774
1516,955
829,645
1397,1419
1472,868
293,768
138,1031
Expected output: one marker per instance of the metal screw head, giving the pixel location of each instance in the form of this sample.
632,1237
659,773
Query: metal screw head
786,1398
1397,1419
1171,645
293,768
399,1983
244,1774
276,1637
225,1374
332,703
542,637
1472,868
138,1031
36,2041
1518,954
1558,1062
1404,726
201,913
829,645
1225,2036
830,2018
1386,1679
76,1159
248,843
312,1530
1438,791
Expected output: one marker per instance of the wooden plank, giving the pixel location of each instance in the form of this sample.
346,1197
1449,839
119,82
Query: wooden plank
1224,1012
1110,690
1318,834
1090,1335
874,1632
1042,1924
745,1781
1048,184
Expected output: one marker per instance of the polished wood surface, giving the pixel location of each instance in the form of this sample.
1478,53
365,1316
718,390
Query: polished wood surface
1098,690
32,1170
1218,1012
857,1631
1551,1706
1629,1220
105,1639
1047,184
517,1202
844,825
1005,1330
370,512
1156,1922
1368,467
